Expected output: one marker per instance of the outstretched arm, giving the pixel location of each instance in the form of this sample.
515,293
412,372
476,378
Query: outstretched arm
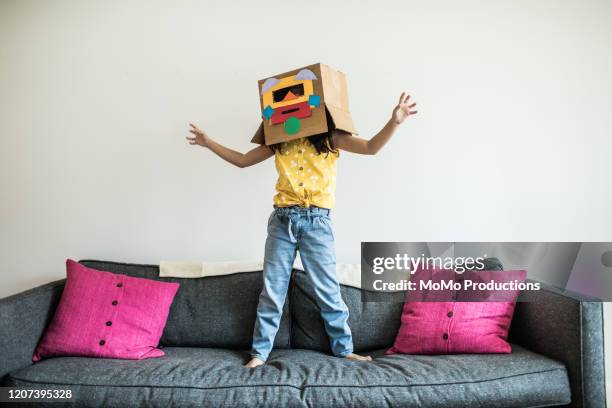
253,156
354,144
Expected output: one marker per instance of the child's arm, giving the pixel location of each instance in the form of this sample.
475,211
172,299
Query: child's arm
354,144
253,156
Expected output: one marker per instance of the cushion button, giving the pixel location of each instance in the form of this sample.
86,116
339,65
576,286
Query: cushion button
115,303
102,342
301,168
119,284
109,323
445,336
301,184
450,314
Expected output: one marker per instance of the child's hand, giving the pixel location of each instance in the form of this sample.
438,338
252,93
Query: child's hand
403,110
200,138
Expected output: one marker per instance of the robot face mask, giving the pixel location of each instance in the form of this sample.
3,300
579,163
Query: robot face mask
289,99
294,104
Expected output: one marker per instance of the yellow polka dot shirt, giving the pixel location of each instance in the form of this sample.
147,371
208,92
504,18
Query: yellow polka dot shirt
305,178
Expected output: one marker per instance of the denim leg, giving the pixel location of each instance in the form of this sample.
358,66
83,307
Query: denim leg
278,263
317,251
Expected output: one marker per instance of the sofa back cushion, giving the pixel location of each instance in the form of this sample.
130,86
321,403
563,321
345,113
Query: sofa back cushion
216,311
374,323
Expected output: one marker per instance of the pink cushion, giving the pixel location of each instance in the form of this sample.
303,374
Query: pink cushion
102,314
456,327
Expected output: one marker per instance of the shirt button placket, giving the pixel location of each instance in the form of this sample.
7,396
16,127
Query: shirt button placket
301,167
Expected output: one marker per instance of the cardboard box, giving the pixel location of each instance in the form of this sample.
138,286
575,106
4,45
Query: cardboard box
294,104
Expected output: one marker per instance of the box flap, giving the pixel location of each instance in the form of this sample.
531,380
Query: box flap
342,119
259,137
334,87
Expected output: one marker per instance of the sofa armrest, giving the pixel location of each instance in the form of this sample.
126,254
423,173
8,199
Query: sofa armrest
23,319
566,327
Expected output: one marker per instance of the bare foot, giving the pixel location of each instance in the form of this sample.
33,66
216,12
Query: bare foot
357,357
254,362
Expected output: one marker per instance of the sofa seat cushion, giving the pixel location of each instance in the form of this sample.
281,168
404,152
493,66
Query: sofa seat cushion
300,378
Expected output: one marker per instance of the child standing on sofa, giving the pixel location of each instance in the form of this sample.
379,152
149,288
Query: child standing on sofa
301,220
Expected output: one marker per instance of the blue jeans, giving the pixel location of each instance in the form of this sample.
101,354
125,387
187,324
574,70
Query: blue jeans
308,230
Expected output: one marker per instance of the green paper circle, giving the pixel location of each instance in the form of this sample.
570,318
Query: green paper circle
292,125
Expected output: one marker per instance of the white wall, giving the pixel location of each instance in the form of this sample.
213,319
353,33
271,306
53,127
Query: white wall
514,102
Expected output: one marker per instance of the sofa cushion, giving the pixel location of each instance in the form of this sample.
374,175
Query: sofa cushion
300,378
374,323
216,311
102,314
457,327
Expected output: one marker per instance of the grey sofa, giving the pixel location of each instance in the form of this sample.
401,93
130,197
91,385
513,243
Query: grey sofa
557,357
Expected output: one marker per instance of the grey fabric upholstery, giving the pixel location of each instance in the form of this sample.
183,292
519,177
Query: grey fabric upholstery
303,378
23,318
217,311
373,324
568,328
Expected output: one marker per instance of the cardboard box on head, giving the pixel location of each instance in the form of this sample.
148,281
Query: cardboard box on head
294,104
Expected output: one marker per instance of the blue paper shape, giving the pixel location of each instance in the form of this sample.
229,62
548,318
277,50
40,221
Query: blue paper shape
314,100
268,112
